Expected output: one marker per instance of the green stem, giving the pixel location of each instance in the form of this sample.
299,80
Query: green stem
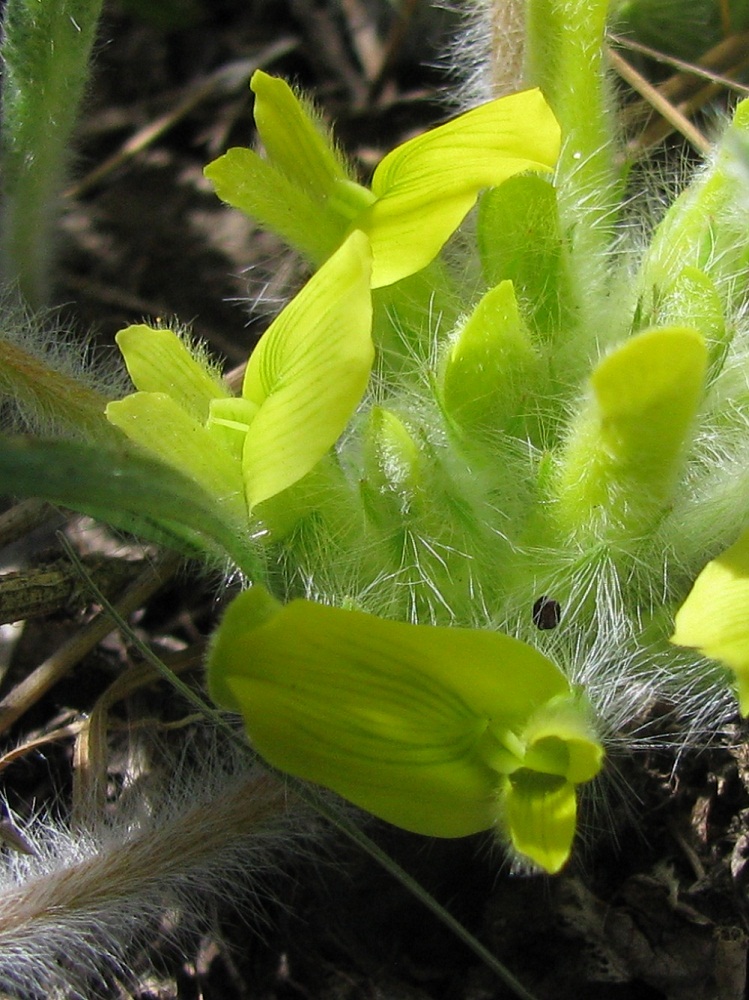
564,56
46,50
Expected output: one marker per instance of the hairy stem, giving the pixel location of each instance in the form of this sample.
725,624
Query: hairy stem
45,54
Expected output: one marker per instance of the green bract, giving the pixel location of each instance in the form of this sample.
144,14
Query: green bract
625,449
715,616
443,731
302,384
420,192
490,365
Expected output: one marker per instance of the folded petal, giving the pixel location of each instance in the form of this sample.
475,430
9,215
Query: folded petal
490,366
541,814
562,740
309,372
426,186
715,616
623,457
229,421
159,361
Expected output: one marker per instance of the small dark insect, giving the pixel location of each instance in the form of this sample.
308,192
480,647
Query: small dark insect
547,613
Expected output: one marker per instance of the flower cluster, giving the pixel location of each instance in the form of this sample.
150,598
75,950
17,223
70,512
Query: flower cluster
442,731
431,455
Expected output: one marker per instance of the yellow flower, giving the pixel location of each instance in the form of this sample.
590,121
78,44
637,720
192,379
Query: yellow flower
302,383
442,731
420,192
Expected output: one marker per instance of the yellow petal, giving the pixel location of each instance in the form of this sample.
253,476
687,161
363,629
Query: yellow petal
309,372
541,815
295,140
715,616
160,425
624,455
426,186
160,361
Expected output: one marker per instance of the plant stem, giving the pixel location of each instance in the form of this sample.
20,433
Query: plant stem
45,54
564,57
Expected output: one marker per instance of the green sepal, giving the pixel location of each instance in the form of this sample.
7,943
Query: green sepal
418,724
693,300
519,239
158,360
490,365
623,456
426,186
715,616
309,372
129,490
392,483
158,424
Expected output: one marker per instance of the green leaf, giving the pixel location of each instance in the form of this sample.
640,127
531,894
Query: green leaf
128,490
46,50
47,397
564,54
715,616
309,372
683,28
426,186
